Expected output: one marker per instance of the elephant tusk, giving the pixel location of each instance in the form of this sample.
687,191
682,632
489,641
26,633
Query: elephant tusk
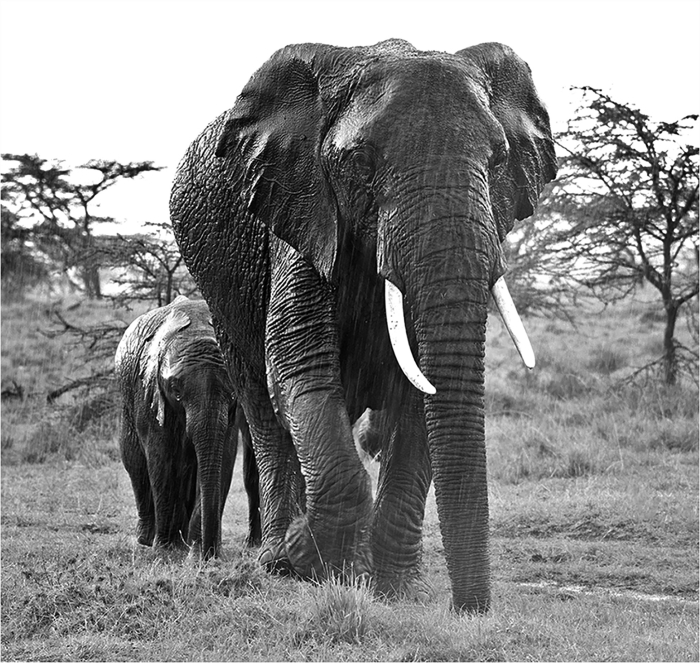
513,323
393,300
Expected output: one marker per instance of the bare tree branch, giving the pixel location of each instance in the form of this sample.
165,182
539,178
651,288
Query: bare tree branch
626,202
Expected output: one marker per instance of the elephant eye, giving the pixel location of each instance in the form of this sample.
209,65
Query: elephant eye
175,388
499,155
363,160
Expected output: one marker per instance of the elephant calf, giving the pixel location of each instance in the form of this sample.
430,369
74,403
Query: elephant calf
180,427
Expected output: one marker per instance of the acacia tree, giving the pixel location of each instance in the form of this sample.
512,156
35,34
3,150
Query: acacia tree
58,207
153,269
150,270
627,198
21,267
535,255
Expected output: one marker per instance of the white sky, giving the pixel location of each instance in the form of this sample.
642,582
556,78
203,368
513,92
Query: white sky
137,80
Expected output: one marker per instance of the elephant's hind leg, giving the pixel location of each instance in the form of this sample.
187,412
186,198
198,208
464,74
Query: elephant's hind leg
281,489
251,481
146,527
135,463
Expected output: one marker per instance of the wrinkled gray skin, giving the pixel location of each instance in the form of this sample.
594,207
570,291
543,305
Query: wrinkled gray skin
372,431
339,168
180,427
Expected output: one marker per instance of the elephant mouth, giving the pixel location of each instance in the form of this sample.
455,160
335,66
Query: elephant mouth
393,301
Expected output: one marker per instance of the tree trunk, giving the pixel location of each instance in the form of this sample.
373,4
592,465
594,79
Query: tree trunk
90,267
91,281
670,359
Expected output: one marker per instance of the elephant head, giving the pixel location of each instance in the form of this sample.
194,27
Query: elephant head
411,167
331,153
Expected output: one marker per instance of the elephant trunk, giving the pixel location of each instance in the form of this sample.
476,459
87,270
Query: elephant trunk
454,258
208,443
451,348
450,327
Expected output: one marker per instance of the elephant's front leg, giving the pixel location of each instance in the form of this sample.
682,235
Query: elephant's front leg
304,382
171,518
404,481
280,482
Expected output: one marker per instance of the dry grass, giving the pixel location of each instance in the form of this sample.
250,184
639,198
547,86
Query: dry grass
594,511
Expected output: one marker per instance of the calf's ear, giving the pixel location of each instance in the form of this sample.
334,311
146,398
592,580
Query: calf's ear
155,360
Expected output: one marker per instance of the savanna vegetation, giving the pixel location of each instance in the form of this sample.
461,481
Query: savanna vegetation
593,456
53,239
594,519
622,213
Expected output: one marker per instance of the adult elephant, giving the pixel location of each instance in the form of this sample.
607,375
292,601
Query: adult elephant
341,177
180,428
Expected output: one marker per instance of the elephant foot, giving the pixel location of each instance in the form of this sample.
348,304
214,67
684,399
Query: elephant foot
305,552
145,533
144,540
273,558
173,542
408,587
254,538
195,551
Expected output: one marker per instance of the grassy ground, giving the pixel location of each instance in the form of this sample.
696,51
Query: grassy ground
594,519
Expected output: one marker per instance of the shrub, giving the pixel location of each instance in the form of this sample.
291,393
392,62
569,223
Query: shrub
678,435
607,361
654,400
566,386
92,409
36,433
49,438
514,403
576,464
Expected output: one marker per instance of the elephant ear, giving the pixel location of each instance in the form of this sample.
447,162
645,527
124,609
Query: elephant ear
274,134
155,356
516,183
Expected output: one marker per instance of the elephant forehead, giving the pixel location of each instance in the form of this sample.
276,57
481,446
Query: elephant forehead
195,348
414,96
197,372
354,122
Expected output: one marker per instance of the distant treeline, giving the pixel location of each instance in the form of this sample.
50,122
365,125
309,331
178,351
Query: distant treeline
623,212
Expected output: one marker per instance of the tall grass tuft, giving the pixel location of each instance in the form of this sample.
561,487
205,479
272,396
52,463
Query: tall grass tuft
606,360
341,610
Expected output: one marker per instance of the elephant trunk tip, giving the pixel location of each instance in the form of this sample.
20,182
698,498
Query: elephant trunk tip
473,607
